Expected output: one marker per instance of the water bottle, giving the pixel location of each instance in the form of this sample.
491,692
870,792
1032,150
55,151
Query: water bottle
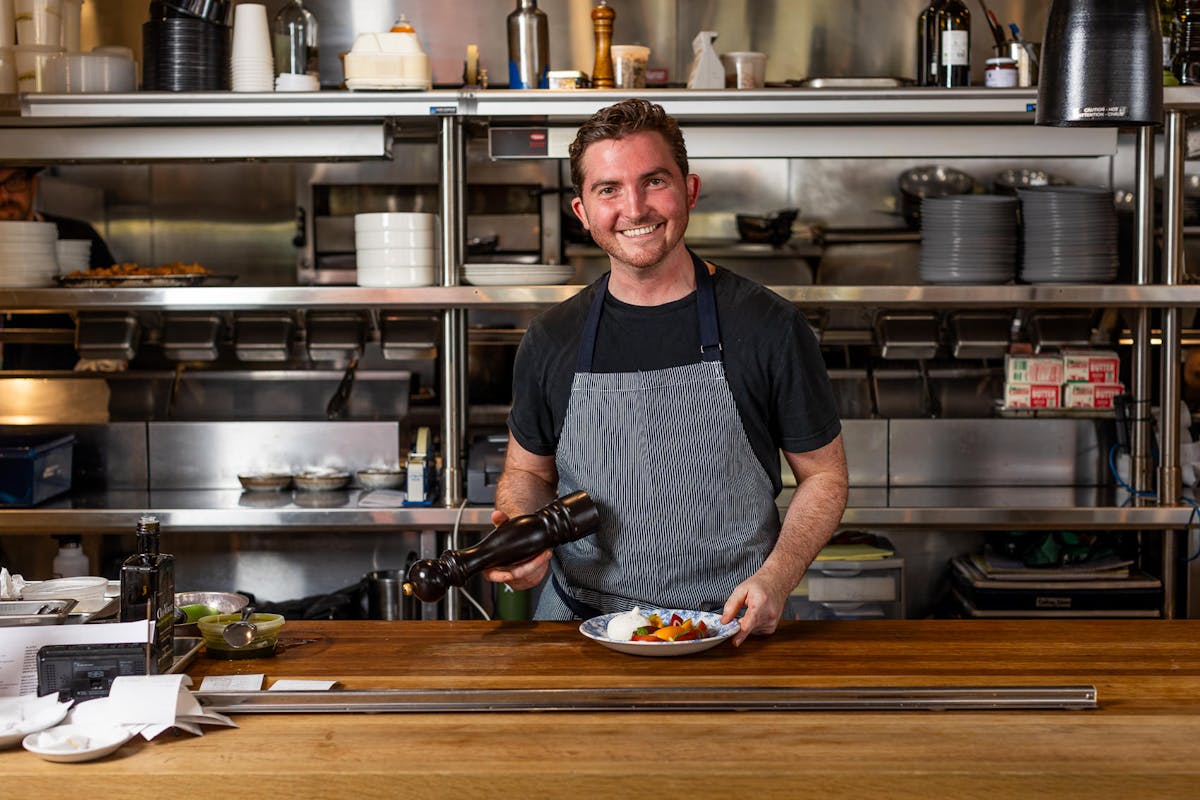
528,47
295,34
70,561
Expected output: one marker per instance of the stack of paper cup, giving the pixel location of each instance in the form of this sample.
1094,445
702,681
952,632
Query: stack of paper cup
74,255
251,65
38,22
27,254
394,249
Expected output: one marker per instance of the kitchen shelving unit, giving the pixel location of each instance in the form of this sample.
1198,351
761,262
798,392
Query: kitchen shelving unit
791,123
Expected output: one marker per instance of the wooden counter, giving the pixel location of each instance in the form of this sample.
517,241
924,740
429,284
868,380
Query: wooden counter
1143,741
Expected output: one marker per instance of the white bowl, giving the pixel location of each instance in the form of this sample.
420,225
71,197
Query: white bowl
378,240
395,257
74,743
396,276
394,221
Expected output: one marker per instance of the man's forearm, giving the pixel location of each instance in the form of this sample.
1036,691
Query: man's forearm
811,520
521,492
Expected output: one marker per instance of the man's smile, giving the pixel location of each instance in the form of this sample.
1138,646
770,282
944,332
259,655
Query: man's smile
644,230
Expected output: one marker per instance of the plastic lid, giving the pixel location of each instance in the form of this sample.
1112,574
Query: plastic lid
1001,61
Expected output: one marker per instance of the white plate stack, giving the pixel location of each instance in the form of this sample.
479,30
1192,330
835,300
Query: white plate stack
251,65
517,274
395,248
74,255
28,255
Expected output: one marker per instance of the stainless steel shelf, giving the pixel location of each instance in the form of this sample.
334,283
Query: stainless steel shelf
191,107
239,298
231,509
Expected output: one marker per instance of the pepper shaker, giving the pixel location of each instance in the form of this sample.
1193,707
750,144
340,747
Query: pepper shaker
602,29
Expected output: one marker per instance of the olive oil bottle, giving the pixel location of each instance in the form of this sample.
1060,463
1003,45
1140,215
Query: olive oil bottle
148,593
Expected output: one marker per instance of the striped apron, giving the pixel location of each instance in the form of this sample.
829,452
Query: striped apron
687,510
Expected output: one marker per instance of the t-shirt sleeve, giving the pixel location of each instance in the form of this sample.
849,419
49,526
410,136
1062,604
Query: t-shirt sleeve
804,404
531,420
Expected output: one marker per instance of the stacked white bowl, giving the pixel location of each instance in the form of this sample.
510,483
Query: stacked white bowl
27,254
74,255
394,248
251,63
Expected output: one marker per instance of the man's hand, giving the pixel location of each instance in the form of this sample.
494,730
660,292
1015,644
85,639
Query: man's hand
525,575
763,600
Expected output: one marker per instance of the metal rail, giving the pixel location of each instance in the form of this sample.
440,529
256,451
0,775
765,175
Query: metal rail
670,698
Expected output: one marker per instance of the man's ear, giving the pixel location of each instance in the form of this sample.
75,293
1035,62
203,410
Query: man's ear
577,207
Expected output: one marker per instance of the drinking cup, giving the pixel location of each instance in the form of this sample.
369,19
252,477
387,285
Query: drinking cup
38,22
251,35
72,12
8,30
745,70
8,71
32,63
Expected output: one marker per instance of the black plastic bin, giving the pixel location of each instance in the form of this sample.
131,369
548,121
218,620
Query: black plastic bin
34,467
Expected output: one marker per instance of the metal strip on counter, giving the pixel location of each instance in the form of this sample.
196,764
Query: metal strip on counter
671,698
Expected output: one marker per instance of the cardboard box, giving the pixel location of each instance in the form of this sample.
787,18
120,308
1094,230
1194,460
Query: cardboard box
1091,395
1091,366
1031,395
1033,370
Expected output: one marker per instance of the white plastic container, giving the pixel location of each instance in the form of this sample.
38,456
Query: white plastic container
394,221
629,65
88,592
32,63
70,562
8,31
38,22
745,70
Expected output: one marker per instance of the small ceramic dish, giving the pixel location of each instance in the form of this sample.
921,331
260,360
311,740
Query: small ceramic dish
22,716
72,743
322,481
265,482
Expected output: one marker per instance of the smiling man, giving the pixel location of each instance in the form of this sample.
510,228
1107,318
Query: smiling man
666,390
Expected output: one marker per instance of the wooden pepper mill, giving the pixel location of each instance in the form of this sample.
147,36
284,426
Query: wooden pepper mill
521,538
602,29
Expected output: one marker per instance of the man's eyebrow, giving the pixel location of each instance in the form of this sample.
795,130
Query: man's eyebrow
612,182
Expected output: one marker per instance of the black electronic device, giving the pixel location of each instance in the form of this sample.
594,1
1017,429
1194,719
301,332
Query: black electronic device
86,671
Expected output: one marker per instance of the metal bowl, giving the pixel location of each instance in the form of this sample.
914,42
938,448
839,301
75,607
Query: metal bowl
1009,180
931,180
224,602
380,478
266,482
322,481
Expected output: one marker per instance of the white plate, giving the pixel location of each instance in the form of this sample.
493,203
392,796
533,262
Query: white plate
596,629
35,714
82,742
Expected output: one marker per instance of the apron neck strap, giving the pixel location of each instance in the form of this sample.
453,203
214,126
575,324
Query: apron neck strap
706,318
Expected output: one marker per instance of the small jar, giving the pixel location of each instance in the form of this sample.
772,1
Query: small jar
1001,73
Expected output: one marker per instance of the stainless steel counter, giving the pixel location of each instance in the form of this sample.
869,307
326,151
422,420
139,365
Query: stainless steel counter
440,297
196,511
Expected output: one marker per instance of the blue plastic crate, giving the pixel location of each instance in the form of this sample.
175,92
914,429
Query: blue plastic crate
34,467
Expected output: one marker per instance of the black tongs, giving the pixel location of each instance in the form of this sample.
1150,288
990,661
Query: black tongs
336,406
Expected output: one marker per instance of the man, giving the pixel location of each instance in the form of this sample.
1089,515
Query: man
666,390
18,190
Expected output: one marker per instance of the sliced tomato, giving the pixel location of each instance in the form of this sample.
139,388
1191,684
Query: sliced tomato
645,637
676,619
702,627
689,636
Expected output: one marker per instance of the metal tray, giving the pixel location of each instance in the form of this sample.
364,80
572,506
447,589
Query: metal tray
143,281
186,650
852,83
14,613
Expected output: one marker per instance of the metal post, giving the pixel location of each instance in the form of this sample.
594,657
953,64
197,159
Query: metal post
453,347
1141,463
1169,476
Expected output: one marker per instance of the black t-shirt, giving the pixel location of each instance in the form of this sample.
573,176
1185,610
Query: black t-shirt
772,363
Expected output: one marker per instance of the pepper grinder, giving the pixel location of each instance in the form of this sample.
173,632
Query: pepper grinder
602,29
560,521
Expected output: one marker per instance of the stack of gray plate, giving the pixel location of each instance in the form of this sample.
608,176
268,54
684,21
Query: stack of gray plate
968,239
1070,235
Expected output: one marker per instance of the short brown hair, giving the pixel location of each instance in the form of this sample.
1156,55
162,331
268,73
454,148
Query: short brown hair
624,119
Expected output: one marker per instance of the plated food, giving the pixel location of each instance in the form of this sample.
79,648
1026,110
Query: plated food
659,631
176,273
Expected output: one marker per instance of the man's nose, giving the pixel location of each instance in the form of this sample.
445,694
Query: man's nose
635,202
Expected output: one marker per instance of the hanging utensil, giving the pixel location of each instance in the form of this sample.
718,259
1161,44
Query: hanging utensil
336,406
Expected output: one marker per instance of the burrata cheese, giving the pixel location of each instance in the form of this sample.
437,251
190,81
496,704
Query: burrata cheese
622,626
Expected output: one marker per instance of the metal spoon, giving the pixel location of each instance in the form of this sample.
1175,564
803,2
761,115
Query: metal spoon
241,633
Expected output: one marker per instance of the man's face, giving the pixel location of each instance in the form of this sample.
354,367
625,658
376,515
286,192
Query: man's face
16,194
635,201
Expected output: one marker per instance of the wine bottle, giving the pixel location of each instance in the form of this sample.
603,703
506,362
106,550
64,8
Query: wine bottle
148,593
928,48
1166,19
954,39
1186,63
